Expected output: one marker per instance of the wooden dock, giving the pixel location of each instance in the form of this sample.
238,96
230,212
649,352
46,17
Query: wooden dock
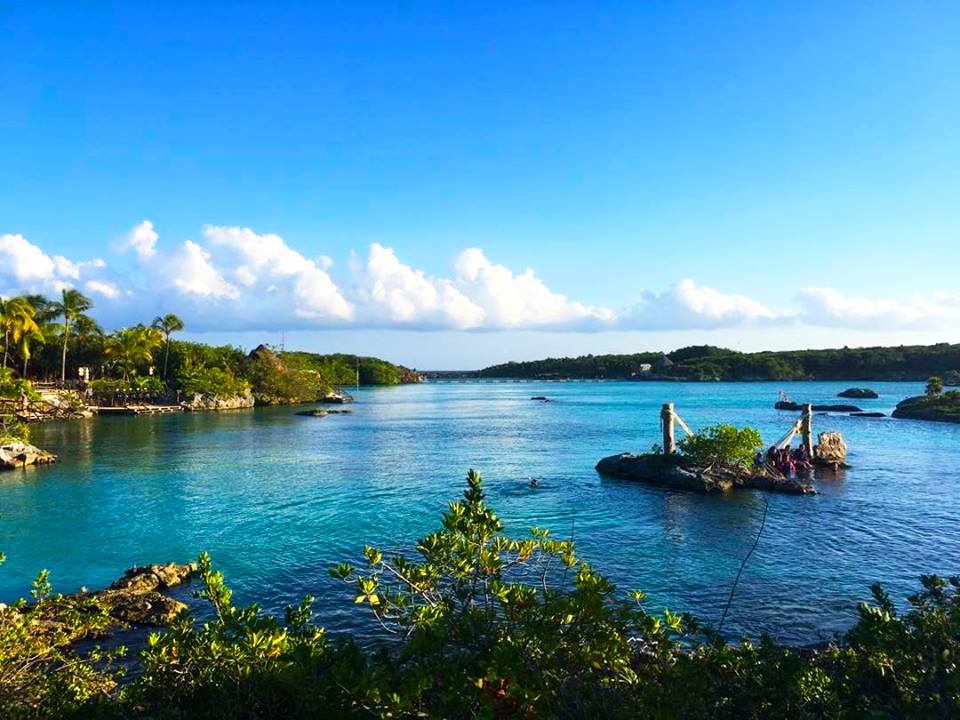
138,410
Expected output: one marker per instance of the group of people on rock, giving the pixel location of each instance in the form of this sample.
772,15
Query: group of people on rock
785,460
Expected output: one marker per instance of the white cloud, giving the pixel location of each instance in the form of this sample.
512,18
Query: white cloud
234,278
23,262
829,307
512,301
143,239
689,306
392,292
26,268
102,288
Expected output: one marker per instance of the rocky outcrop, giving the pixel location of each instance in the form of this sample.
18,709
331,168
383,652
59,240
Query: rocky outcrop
830,449
16,454
797,407
134,599
336,398
669,471
859,393
316,412
218,402
868,414
938,408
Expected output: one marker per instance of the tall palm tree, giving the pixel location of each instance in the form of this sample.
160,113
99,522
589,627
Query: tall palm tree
167,324
133,347
20,327
70,307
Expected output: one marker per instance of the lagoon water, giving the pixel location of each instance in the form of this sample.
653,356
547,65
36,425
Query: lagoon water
277,499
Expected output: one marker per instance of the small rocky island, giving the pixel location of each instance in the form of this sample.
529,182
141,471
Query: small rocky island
936,407
676,473
859,393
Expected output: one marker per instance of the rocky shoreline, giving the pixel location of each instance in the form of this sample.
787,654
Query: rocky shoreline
137,599
16,454
672,472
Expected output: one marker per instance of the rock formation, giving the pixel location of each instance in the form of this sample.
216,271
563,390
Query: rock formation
859,393
217,402
670,471
16,454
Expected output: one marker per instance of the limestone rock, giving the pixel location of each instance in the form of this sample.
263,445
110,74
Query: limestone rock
830,448
16,454
218,402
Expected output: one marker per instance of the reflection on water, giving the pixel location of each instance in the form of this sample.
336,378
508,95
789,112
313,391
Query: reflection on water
278,498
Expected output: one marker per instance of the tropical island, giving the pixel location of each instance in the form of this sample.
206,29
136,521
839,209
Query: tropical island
936,404
58,362
710,363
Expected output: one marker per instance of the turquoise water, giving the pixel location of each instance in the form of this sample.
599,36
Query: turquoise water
276,498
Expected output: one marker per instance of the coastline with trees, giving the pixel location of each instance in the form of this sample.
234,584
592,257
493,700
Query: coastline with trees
59,363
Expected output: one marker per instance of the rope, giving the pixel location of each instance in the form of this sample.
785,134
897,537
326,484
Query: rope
785,440
743,564
683,425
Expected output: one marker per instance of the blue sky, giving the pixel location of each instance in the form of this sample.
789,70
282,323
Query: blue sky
379,177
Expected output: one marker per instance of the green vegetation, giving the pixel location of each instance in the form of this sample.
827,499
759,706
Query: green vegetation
721,445
934,386
706,362
55,339
479,624
939,406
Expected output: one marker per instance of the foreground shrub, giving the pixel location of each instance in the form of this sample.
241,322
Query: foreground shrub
478,624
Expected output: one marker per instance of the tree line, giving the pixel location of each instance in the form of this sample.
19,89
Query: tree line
706,362
51,339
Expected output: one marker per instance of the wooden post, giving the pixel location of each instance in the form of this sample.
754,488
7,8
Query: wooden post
666,420
806,430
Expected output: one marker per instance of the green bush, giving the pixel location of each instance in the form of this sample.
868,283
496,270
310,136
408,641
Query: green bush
211,381
721,444
478,624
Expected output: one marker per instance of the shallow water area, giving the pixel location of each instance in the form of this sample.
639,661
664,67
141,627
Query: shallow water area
278,498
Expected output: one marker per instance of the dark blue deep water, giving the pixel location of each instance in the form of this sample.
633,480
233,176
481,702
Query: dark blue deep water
277,499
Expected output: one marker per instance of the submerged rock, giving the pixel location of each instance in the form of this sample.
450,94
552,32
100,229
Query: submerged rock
859,393
670,471
316,412
16,454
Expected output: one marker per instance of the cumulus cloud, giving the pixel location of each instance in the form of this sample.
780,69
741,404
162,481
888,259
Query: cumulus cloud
234,278
687,306
523,300
388,290
826,306
142,239
26,268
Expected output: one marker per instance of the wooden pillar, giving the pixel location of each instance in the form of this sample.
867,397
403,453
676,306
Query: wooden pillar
806,430
666,420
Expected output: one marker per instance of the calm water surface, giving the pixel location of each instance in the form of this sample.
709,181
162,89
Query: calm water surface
277,499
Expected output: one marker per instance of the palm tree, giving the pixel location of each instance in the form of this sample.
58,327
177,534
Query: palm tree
18,318
70,307
168,324
132,347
